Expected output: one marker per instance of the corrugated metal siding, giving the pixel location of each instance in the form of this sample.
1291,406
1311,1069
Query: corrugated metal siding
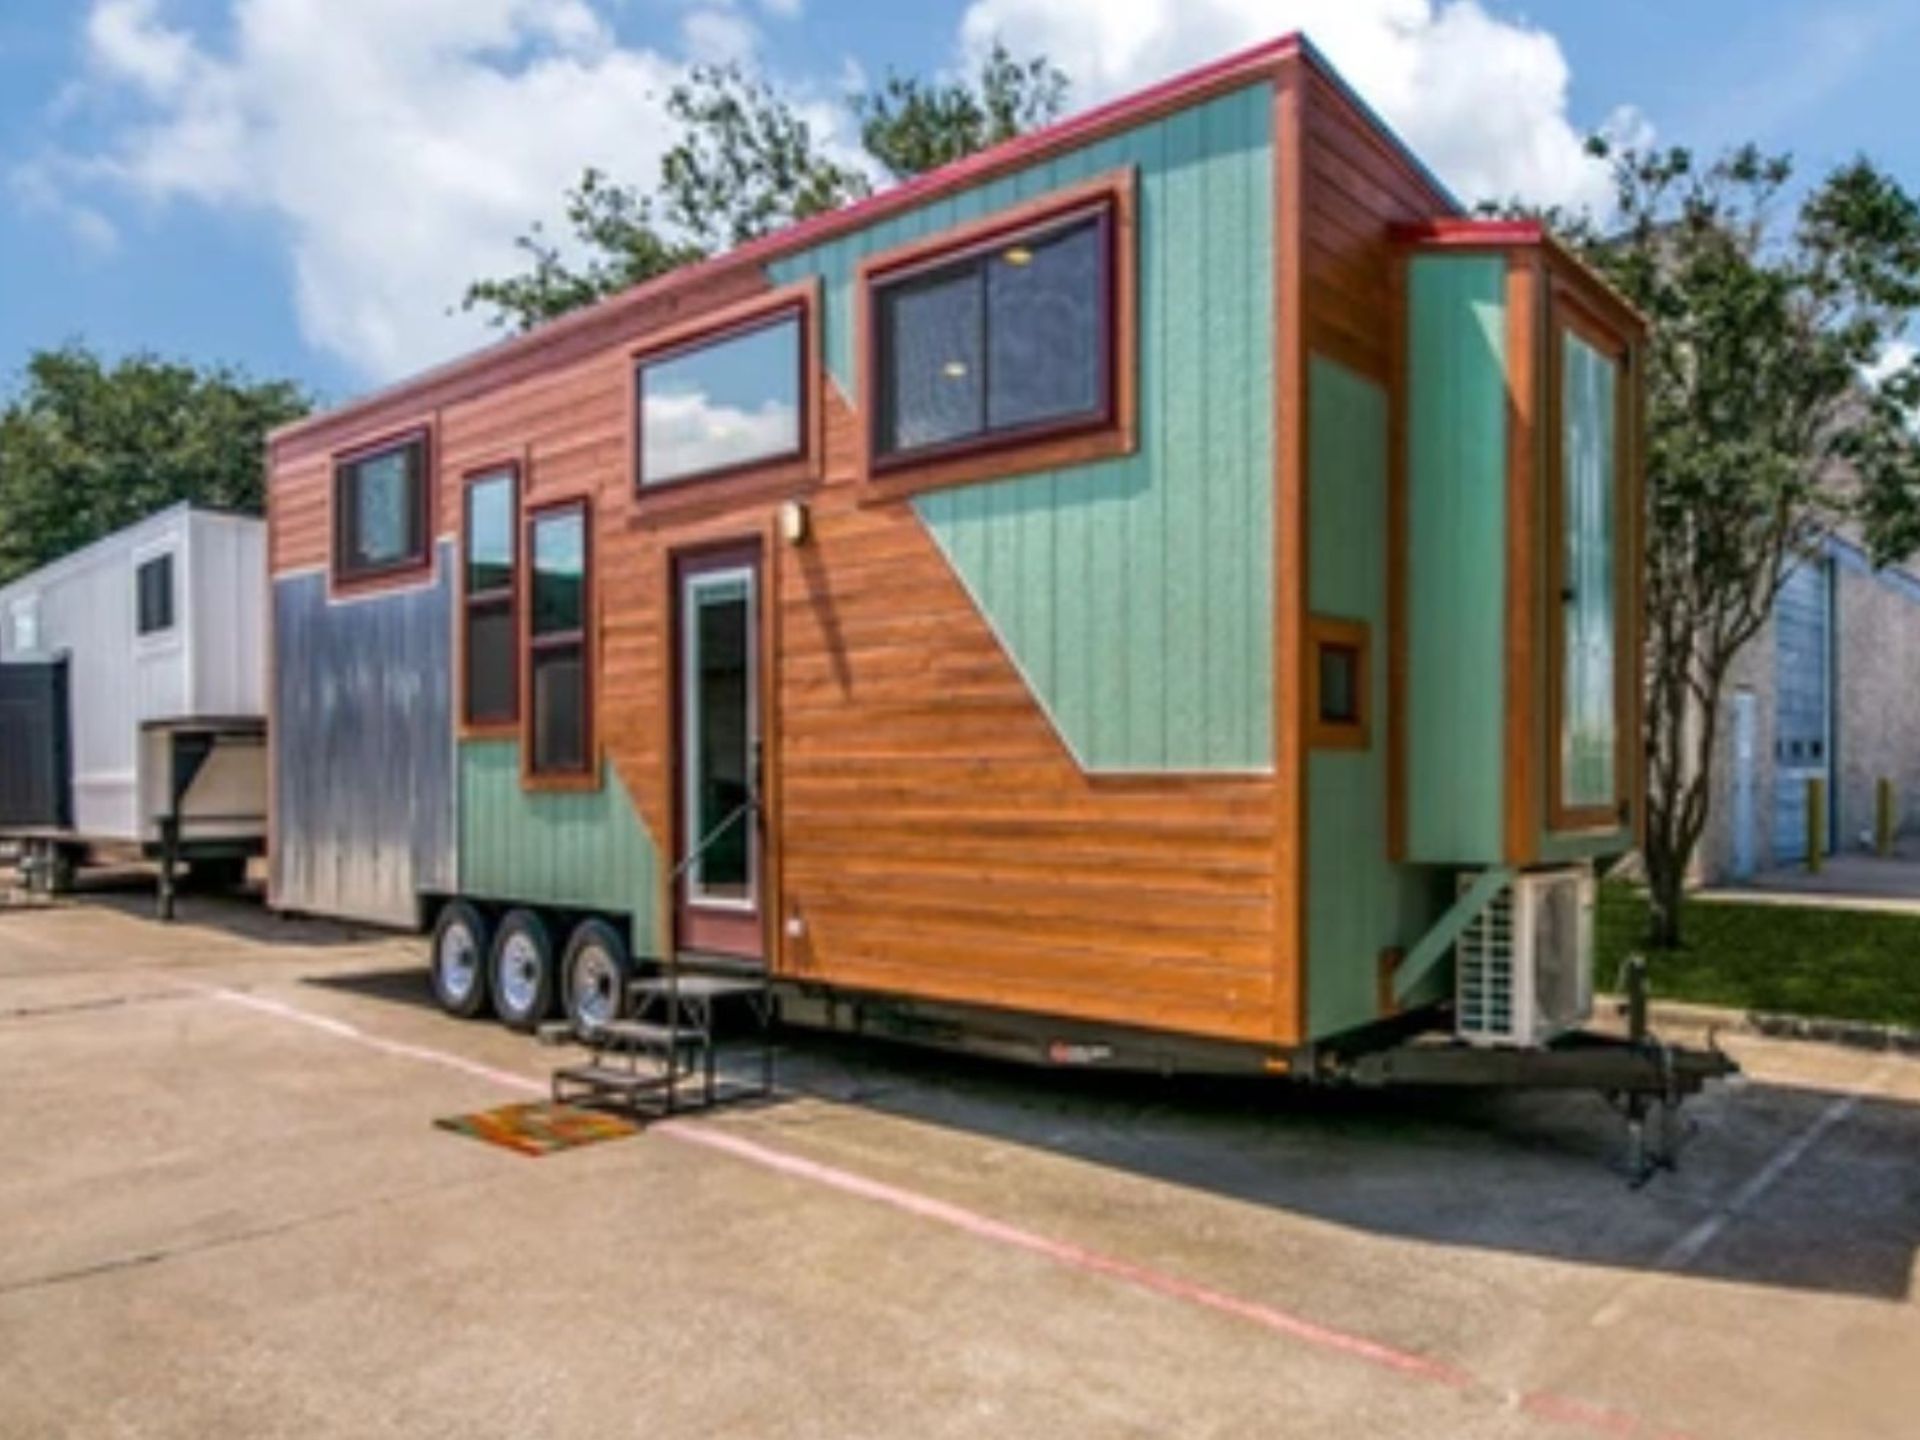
1136,595
1456,581
1358,902
588,850
363,748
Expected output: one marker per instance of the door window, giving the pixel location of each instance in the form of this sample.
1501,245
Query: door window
719,761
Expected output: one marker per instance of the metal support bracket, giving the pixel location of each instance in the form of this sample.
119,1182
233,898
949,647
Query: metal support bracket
1435,944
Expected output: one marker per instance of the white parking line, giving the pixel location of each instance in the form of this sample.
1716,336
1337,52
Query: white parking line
1688,1248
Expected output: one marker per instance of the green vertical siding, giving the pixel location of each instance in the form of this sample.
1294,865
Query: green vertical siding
1456,543
1136,594
1358,902
589,849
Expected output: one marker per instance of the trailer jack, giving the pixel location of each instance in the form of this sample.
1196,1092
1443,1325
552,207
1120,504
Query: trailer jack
1642,1077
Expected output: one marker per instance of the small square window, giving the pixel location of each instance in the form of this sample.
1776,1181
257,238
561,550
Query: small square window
153,584
1337,700
1339,685
380,503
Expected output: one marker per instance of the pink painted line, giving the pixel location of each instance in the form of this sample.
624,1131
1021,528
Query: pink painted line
344,1031
1065,1253
1540,1405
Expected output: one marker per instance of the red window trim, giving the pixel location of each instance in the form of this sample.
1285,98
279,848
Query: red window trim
470,600
1104,210
729,325
346,576
587,775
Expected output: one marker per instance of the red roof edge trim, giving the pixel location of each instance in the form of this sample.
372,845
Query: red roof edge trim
1466,231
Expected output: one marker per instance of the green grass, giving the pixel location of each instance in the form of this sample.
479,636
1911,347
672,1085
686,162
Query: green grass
1780,959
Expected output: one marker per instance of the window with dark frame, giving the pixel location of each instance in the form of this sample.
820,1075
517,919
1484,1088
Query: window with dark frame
1007,341
1339,684
723,403
559,719
1338,702
153,586
492,640
381,526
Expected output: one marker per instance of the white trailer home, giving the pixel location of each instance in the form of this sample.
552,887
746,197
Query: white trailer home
133,700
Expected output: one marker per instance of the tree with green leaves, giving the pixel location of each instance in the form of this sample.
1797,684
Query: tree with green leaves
1771,423
746,163
87,447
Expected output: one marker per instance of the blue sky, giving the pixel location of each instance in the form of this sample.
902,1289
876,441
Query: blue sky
302,187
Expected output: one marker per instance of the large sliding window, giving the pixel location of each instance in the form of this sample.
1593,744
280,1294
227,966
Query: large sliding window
381,502
560,613
1587,746
492,674
724,403
1008,340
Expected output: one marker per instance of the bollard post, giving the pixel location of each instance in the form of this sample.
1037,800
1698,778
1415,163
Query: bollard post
1816,822
1883,818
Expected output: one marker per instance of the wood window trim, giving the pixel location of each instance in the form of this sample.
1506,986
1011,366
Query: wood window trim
1114,432
345,579
1327,633
1568,314
753,480
588,777
515,469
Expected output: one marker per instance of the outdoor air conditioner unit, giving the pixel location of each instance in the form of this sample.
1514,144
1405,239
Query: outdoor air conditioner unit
1523,967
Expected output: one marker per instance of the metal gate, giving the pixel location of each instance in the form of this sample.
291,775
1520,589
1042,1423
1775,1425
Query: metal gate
1803,704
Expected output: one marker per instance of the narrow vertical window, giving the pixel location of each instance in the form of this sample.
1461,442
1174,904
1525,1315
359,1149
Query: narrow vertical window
153,593
1589,464
491,586
559,720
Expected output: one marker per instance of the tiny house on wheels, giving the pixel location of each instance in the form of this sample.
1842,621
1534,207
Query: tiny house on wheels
1156,591
133,680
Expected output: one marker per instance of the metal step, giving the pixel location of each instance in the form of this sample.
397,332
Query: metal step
606,1080
710,962
645,1035
697,987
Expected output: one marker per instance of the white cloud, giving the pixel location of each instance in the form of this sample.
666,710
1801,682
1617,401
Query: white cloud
1482,100
688,433
401,147
38,190
1898,355
718,35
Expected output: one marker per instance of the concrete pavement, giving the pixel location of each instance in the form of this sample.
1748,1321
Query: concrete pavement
224,1211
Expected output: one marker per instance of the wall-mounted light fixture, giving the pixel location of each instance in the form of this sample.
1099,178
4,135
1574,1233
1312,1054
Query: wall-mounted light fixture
794,522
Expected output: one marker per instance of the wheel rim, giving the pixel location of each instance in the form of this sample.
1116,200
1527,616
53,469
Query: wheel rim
596,986
519,973
459,960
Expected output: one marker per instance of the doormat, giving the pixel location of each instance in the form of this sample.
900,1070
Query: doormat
539,1127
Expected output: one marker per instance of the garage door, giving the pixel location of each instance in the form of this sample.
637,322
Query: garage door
1802,724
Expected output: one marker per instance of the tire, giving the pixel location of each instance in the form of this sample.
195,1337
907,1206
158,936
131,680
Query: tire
594,976
458,960
521,971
